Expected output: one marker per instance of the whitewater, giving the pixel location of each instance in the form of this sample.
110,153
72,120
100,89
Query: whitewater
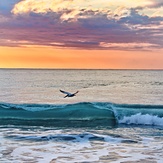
117,116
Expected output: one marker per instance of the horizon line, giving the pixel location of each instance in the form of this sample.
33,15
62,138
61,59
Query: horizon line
139,69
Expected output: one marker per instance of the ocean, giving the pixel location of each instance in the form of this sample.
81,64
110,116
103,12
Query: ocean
116,117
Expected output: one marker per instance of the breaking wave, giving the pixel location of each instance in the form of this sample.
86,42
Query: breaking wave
80,114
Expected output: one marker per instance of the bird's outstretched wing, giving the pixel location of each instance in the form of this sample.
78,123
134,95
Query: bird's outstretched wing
65,92
76,92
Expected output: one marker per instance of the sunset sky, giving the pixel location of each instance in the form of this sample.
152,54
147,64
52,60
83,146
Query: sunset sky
100,34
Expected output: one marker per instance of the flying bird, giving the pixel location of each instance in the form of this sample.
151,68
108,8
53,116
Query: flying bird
69,94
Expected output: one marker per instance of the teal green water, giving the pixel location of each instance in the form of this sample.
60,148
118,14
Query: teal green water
80,114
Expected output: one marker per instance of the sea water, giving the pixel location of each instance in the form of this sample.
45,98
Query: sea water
117,116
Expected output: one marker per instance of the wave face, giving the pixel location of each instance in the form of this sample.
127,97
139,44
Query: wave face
72,115
80,114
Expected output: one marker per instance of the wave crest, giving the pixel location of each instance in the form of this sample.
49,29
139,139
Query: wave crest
140,119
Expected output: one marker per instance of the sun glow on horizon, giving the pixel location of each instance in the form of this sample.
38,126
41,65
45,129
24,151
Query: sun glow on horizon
36,57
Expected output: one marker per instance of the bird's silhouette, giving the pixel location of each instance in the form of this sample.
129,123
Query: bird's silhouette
69,94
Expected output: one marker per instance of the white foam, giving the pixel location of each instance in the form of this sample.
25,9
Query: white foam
109,139
140,119
79,152
64,152
85,147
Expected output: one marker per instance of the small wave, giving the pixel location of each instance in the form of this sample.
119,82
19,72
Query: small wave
29,107
140,119
84,114
84,137
71,115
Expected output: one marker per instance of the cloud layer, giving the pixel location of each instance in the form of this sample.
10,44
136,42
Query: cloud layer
82,24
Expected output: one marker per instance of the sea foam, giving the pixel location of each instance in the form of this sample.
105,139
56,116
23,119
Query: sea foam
140,119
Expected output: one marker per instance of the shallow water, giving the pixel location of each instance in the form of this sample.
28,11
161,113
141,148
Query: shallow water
122,144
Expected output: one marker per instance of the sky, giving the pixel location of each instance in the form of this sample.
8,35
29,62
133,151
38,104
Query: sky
82,34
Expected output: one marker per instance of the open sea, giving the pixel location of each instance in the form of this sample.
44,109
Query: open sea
117,116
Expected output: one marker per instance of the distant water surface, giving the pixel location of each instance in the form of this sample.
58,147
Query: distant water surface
118,86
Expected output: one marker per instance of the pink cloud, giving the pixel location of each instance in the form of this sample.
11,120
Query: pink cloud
80,28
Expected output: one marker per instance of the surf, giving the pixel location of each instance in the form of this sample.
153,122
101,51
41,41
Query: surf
85,114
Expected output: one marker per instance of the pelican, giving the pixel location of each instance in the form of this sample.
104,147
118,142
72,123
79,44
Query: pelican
69,94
